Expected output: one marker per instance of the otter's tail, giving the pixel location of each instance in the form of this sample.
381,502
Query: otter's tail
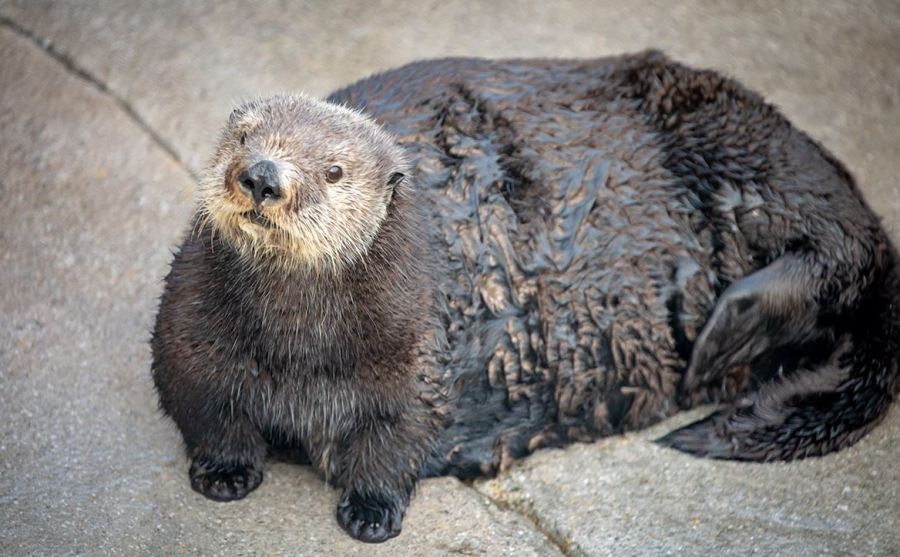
814,411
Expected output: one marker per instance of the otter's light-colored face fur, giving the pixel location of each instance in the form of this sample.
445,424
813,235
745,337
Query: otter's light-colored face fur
319,222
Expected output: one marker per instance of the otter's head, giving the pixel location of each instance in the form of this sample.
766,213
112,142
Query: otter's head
306,181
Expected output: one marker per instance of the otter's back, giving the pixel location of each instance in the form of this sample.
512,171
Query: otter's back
590,212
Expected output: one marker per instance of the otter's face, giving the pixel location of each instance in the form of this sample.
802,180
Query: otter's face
304,179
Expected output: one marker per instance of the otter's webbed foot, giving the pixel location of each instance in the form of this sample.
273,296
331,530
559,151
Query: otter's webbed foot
764,310
223,480
370,519
735,333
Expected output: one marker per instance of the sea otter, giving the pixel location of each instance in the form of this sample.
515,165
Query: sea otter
449,265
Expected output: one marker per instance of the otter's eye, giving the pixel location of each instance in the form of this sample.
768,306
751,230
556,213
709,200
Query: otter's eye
333,174
243,137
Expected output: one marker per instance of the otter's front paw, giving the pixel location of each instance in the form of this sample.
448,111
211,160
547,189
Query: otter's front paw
224,481
370,519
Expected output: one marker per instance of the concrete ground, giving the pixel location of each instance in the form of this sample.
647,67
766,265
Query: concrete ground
107,112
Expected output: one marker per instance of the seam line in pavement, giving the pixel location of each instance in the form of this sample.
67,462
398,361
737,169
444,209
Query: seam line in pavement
565,547
46,46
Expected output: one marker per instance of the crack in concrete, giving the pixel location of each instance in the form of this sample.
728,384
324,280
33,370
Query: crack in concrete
46,46
560,542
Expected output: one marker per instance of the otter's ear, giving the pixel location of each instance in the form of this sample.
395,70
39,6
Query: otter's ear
395,178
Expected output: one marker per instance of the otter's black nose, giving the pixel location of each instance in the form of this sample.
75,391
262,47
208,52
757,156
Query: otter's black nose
260,182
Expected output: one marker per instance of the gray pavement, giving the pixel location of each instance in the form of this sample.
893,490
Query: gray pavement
108,110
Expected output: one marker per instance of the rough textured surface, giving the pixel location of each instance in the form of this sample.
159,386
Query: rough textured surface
91,206
839,505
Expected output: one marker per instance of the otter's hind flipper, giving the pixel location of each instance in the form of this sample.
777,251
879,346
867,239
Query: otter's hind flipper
811,414
819,407
772,307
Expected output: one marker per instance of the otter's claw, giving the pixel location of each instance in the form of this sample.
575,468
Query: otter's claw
224,481
369,519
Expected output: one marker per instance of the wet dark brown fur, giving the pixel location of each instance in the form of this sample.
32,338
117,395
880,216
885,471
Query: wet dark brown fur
579,248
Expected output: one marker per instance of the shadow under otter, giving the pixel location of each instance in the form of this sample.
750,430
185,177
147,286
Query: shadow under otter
605,242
